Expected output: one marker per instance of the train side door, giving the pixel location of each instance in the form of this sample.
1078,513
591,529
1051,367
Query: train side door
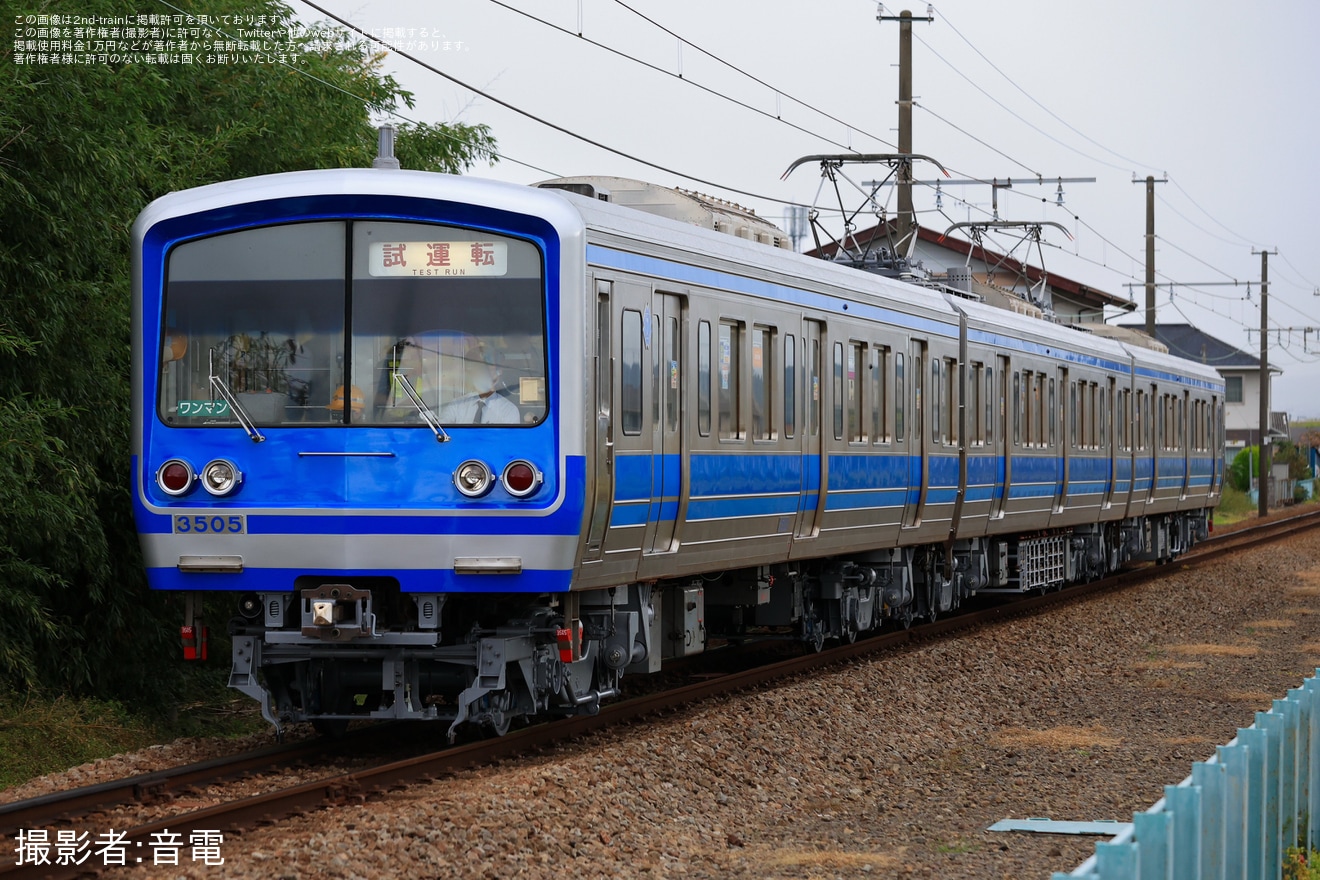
1184,436
600,476
998,395
918,476
667,479
1066,417
1109,427
811,499
633,434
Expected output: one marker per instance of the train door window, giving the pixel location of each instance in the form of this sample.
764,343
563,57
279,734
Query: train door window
1039,410
1053,415
1072,414
604,381
813,389
1017,409
856,361
975,426
672,377
762,379
879,375
1140,420
917,402
790,385
837,391
1104,420
1161,437
949,379
703,378
990,405
631,369
730,381
900,388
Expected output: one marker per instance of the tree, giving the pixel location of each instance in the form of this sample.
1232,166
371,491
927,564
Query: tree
83,148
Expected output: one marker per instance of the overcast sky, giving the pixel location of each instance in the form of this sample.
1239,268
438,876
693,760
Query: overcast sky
1219,96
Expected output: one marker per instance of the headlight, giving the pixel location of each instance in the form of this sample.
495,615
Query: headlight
473,478
221,477
521,478
175,477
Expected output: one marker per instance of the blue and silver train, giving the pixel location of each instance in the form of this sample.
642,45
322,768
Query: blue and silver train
469,451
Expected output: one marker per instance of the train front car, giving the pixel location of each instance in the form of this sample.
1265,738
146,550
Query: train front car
358,411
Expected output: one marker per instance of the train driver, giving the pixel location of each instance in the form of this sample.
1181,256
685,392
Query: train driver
482,404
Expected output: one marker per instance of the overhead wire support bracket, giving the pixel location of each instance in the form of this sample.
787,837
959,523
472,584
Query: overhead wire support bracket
870,253
1031,232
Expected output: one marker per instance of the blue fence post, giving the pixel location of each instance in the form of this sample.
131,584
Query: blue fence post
1210,778
1184,803
1233,758
1312,688
1288,809
1152,832
1301,699
1115,861
1271,724
1254,740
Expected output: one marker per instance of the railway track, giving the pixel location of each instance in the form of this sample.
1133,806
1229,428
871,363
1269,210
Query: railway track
55,811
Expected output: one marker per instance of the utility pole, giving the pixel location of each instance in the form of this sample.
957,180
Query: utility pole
1150,250
1266,452
906,216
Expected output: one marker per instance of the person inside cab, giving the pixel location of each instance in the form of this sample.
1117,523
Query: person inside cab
482,404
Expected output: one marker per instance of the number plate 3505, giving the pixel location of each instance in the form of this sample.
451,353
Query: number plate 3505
210,524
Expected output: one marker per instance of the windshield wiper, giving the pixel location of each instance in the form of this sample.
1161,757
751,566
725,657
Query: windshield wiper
218,385
423,410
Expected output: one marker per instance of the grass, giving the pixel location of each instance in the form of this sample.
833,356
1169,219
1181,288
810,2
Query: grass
1234,506
49,734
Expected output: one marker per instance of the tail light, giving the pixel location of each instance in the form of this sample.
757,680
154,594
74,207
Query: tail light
175,477
521,478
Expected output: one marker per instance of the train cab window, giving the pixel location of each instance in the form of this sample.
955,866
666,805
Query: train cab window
630,403
730,381
900,391
703,378
762,380
429,317
790,386
856,359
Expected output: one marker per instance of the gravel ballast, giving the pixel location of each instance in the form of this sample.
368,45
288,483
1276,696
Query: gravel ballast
893,766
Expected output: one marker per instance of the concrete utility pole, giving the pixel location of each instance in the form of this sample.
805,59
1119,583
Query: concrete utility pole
1150,251
1266,452
906,215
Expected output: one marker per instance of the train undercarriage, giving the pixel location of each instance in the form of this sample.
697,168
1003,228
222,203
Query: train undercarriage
330,653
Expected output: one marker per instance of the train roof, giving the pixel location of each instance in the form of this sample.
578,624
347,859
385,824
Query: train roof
577,215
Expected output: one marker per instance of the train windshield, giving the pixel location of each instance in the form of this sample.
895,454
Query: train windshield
368,323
